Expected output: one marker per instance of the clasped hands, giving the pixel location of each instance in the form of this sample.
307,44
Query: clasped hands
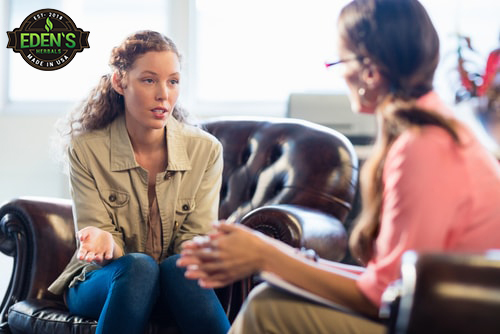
230,253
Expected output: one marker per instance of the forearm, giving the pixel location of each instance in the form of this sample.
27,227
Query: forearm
356,270
322,278
235,252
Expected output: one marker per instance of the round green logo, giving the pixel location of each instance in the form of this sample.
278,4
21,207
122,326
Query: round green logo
48,39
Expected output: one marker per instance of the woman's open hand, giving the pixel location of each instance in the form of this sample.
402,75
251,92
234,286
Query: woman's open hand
231,253
96,245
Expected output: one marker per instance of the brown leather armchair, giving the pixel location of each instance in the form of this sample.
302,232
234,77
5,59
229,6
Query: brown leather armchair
290,179
445,293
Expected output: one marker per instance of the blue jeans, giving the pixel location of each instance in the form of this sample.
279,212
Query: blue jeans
123,293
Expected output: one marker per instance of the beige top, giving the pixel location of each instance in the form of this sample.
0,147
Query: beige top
110,190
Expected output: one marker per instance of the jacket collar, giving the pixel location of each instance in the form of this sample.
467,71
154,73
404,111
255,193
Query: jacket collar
122,154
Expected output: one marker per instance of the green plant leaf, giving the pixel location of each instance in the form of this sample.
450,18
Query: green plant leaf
48,25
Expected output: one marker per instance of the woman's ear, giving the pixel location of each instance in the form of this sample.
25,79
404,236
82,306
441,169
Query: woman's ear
117,82
373,87
371,76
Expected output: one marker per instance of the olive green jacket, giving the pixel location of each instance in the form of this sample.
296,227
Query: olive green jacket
110,190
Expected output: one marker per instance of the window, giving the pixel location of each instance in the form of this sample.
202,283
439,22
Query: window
261,50
242,56
108,22
475,19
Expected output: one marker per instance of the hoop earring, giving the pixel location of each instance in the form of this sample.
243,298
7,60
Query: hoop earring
361,91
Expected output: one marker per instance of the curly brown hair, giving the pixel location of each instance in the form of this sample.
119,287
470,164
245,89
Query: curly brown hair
104,104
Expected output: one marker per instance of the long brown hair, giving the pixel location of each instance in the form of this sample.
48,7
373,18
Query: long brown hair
104,104
399,38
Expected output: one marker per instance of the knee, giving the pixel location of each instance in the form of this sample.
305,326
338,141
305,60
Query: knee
255,311
169,266
259,298
172,277
139,266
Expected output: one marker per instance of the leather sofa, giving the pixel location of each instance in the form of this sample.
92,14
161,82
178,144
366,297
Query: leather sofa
291,179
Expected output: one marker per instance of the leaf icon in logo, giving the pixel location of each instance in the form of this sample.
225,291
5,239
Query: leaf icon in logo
48,25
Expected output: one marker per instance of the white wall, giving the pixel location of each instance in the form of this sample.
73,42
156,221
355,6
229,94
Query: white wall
27,165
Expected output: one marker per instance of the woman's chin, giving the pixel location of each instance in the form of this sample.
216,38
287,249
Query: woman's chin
358,108
362,109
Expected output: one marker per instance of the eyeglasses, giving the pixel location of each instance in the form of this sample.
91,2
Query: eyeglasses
327,64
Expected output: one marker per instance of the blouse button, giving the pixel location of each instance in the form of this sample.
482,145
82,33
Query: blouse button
185,207
112,197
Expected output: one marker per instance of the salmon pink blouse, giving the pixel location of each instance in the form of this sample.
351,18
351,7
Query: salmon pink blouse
438,196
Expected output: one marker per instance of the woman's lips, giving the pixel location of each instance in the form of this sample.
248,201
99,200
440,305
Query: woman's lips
159,113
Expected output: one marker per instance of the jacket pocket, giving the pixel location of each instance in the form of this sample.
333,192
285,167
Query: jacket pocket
183,208
115,198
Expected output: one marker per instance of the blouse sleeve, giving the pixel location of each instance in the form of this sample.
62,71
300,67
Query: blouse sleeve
423,183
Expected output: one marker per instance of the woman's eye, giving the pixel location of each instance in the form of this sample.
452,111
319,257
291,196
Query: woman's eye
148,80
174,82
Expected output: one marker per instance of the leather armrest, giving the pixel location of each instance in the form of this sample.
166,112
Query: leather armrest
301,227
38,233
446,293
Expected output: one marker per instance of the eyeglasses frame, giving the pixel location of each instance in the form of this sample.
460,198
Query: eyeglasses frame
340,61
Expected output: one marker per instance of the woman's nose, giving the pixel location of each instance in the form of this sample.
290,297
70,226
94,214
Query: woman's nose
162,92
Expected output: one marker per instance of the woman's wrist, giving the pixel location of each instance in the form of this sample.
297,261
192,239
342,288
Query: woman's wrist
268,251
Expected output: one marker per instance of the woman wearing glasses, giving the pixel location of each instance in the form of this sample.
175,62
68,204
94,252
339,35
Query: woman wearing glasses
428,186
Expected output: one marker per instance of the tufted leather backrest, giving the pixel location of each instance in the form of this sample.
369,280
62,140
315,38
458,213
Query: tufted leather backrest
284,161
